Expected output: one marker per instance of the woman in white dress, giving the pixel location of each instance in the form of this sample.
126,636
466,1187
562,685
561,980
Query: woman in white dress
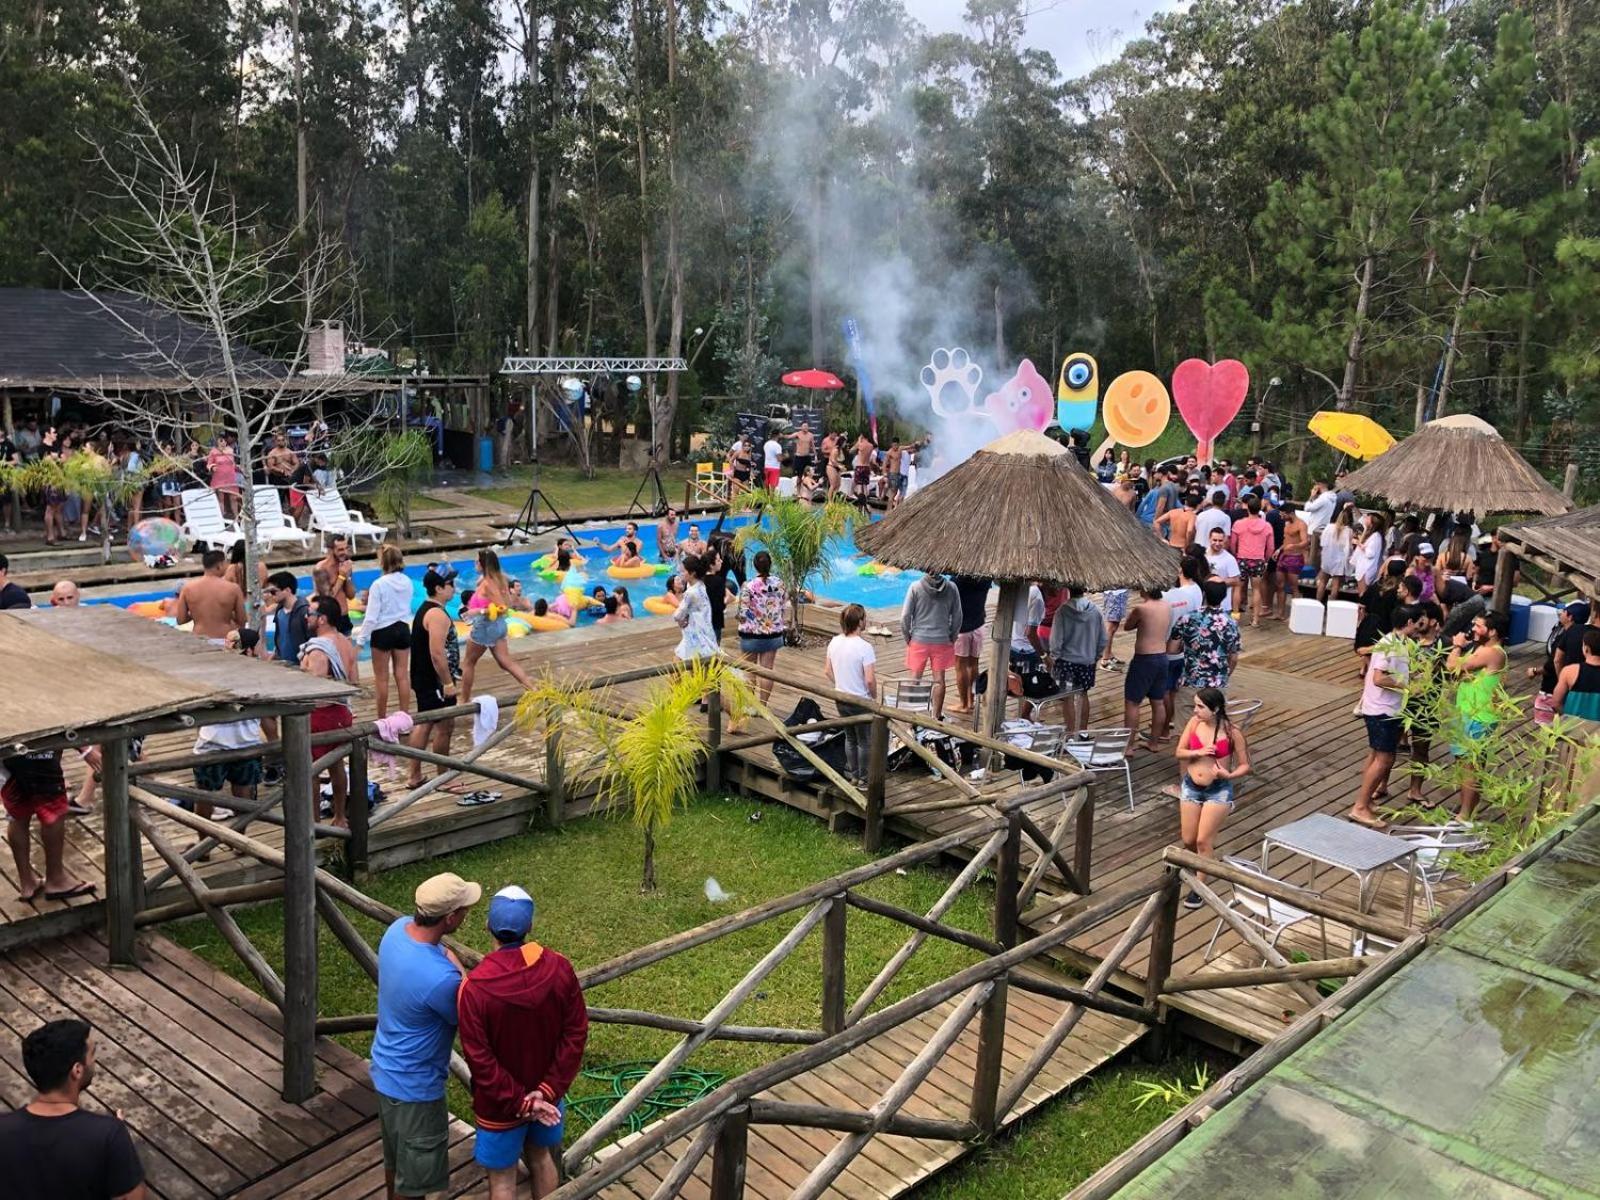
693,615
1334,566
1367,558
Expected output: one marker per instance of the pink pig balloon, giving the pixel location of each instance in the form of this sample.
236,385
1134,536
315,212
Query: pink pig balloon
1209,396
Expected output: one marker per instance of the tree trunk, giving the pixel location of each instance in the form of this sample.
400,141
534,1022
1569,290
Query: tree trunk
301,165
646,274
1522,362
999,331
1422,382
1352,355
1447,371
530,51
648,884
663,414
816,268
552,314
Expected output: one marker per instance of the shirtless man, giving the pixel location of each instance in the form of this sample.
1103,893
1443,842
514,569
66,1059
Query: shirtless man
667,535
65,594
863,466
804,445
1150,621
693,544
894,474
340,568
1177,524
281,463
215,605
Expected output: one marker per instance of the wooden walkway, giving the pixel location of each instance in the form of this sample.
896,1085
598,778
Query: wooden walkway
1306,751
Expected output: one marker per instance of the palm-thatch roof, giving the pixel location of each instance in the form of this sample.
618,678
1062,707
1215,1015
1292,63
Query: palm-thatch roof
1458,464
1022,508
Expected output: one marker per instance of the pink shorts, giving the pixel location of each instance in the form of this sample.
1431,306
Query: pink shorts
941,656
970,645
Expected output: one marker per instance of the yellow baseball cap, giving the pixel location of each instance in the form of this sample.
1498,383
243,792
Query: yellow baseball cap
443,894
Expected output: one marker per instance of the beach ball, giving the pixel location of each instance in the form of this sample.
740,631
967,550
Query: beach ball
155,537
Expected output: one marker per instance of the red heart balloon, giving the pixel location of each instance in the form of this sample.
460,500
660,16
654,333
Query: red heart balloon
1209,396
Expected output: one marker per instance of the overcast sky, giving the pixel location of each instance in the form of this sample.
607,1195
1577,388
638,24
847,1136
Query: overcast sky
1080,34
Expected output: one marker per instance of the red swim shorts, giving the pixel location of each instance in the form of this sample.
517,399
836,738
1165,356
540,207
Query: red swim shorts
326,718
20,807
941,656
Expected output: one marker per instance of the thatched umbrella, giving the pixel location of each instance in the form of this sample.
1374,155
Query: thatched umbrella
1017,510
1458,464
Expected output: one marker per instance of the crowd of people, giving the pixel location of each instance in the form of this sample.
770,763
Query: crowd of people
836,465
149,476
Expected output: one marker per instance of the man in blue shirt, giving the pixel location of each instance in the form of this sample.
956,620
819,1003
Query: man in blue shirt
418,980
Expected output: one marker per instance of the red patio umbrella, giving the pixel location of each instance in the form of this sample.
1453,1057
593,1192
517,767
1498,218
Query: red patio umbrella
817,380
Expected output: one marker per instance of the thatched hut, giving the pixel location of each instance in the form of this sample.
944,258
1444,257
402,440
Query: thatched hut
1020,509
1457,464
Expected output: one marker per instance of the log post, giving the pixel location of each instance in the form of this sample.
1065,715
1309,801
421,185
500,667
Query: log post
984,1110
124,864
1083,840
729,1156
299,913
555,775
877,779
833,966
714,760
1505,576
1569,483
994,700
357,810
1162,938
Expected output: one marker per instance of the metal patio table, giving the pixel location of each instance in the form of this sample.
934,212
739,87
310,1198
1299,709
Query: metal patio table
1344,845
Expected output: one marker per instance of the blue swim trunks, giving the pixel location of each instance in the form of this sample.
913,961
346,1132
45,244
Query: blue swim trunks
498,1149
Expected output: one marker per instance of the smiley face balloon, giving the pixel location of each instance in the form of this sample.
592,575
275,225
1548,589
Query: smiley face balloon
1136,408
1077,390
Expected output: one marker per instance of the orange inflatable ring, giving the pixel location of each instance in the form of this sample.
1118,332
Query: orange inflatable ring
642,571
149,608
544,624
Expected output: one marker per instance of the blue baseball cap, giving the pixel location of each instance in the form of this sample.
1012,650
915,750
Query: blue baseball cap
511,913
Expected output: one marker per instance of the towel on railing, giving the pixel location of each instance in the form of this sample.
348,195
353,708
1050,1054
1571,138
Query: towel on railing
390,729
484,723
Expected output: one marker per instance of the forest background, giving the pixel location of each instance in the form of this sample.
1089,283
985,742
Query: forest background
1388,207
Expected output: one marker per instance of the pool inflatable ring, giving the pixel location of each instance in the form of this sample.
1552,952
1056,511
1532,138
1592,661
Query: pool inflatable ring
517,624
642,571
149,608
463,628
545,624
659,606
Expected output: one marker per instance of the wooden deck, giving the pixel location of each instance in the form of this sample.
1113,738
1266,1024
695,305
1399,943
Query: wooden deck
1306,751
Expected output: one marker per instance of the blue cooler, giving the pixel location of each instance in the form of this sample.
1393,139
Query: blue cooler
1520,612
485,454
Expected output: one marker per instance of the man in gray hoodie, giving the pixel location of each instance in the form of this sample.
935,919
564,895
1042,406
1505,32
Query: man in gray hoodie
1077,640
930,619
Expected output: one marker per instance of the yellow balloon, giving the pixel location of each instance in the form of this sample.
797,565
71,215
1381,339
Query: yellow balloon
1136,408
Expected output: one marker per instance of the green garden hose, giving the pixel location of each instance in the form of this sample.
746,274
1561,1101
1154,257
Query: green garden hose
679,1090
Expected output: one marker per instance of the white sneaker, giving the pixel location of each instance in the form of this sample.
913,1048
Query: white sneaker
83,537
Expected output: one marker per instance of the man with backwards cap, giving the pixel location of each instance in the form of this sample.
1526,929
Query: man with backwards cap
523,1029
418,978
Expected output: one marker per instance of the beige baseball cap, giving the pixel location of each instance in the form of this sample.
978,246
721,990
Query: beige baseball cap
443,894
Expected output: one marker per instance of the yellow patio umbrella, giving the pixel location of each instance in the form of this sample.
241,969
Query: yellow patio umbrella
1356,435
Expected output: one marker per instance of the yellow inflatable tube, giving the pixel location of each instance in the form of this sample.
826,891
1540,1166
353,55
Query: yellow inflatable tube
658,605
642,571
149,608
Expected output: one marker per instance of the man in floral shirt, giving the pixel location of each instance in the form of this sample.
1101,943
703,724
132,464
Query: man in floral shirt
1208,640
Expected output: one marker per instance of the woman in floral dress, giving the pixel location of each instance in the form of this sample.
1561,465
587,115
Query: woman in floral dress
763,613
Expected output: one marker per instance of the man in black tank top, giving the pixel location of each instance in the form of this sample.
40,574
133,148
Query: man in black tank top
435,664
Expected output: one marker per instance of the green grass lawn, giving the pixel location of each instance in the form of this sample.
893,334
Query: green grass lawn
585,879
610,491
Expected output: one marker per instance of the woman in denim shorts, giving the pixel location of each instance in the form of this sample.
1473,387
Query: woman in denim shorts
1213,753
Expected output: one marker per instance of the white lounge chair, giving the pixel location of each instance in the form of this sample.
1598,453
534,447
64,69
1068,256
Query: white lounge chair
203,520
273,527
330,514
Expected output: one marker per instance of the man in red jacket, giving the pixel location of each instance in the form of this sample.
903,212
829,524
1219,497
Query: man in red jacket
523,1026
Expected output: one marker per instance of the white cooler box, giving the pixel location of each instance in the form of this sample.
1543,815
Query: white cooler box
1541,620
1305,615
1343,617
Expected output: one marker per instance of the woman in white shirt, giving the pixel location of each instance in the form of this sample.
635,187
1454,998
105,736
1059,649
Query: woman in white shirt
1369,553
386,624
852,668
1334,566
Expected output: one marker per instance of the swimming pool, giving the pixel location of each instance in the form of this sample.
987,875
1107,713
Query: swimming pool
846,583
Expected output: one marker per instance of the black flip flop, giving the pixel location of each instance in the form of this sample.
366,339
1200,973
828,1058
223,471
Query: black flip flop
72,893
31,896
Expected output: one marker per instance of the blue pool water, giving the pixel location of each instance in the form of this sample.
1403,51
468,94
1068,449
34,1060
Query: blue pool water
845,583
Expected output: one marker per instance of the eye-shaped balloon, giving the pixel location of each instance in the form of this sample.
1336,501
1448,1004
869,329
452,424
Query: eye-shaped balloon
1137,408
1077,389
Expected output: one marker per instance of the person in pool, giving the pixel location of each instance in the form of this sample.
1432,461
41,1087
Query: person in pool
543,608
628,554
693,544
516,598
624,604
630,533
